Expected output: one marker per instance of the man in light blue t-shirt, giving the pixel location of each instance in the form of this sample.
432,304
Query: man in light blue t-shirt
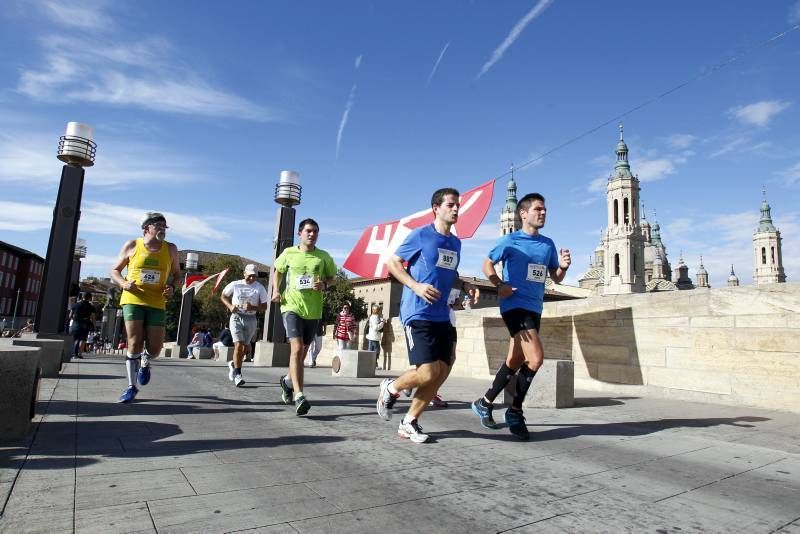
432,254
527,258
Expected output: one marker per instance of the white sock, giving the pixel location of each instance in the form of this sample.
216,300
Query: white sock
298,394
408,418
391,388
132,366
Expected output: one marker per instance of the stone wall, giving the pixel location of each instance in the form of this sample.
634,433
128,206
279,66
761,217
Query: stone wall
737,345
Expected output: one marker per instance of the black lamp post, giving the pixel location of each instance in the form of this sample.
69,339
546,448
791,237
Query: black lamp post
77,149
287,194
185,317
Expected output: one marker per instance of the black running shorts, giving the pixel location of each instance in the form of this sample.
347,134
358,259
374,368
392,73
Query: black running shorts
519,319
297,327
429,341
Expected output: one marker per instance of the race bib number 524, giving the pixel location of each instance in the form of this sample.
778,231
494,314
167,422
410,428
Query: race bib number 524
448,259
149,277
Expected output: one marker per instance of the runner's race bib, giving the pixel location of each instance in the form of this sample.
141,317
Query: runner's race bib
536,273
448,259
304,281
149,277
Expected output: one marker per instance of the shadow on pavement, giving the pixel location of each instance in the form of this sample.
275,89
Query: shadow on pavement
588,402
159,406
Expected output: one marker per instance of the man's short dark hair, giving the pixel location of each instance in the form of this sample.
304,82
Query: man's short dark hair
86,296
438,196
304,222
525,202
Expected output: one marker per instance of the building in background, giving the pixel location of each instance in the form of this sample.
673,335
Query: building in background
21,273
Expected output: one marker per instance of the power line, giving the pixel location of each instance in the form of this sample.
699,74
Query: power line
705,74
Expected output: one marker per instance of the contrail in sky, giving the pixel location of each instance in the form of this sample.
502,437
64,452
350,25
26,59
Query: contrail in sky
350,100
436,65
497,55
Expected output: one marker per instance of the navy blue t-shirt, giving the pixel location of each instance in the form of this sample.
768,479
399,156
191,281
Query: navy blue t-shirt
526,260
432,259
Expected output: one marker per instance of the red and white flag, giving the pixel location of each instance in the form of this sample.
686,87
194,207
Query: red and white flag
197,281
378,243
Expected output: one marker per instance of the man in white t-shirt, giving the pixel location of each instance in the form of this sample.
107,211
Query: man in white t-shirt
244,298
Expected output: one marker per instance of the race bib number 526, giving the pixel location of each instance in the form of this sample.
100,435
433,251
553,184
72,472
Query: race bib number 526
536,273
448,259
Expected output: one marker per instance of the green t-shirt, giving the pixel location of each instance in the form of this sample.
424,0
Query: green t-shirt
301,270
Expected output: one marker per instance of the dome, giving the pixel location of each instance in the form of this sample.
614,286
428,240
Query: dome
660,284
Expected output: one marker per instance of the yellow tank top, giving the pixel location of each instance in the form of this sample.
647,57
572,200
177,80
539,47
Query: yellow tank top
149,270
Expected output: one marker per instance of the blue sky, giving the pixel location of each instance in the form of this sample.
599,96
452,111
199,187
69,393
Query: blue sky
198,106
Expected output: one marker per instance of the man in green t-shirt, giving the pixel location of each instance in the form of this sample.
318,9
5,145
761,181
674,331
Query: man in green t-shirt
308,272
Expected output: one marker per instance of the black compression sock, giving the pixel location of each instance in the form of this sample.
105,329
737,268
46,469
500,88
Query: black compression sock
501,380
524,380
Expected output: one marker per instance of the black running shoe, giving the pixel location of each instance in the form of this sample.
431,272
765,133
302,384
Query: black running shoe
516,424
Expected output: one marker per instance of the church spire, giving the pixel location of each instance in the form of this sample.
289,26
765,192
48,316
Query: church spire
765,224
622,166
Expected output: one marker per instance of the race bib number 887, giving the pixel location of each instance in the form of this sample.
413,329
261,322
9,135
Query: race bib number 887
448,259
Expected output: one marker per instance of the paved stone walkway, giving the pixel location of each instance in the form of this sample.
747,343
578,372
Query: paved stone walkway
195,454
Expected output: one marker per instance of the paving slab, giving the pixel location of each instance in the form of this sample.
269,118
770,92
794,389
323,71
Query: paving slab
195,454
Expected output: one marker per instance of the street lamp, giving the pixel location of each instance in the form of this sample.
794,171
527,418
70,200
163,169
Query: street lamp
77,149
185,316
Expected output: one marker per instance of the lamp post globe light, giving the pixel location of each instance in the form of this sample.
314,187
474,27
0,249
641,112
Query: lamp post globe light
187,299
272,349
77,149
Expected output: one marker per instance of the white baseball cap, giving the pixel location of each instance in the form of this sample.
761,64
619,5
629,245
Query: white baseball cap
250,268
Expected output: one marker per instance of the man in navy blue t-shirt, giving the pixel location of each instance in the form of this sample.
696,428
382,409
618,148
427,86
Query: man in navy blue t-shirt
432,254
527,257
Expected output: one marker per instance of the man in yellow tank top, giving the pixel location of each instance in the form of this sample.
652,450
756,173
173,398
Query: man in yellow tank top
153,269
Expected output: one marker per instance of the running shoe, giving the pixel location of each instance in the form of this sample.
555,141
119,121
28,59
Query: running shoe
238,380
516,424
313,364
301,405
286,392
143,376
386,400
437,402
407,392
485,413
413,432
129,394
231,371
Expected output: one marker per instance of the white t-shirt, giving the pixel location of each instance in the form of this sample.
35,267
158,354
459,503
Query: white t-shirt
243,292
373,334
451,299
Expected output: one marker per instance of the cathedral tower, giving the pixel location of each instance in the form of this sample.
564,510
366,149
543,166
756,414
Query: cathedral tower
767,255
702,275
509,216
624,257
733,280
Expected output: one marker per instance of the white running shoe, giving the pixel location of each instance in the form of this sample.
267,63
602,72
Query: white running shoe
413,432
231,371
238,380
386,400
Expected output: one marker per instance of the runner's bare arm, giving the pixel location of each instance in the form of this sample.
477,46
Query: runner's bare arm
564,261
426,292
503,290
122,262
277,278
227,302
175,271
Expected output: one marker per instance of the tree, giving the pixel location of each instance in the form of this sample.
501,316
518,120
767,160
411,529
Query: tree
340,291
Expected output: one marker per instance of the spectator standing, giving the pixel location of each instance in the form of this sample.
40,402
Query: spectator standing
344,328
374,332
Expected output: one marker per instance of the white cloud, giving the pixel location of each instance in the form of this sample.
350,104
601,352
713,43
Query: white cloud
759,113
104,218
96,263
29,158
516,31
794,13
138,74
358,60
22,217
730,147
80,15
681,141
436,65
598,184
656,169
345,117
791,176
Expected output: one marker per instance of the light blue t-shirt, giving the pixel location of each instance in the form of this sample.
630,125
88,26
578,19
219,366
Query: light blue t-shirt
432,259
526,260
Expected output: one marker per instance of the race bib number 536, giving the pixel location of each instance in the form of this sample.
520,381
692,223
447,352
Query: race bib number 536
536,273
448,259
